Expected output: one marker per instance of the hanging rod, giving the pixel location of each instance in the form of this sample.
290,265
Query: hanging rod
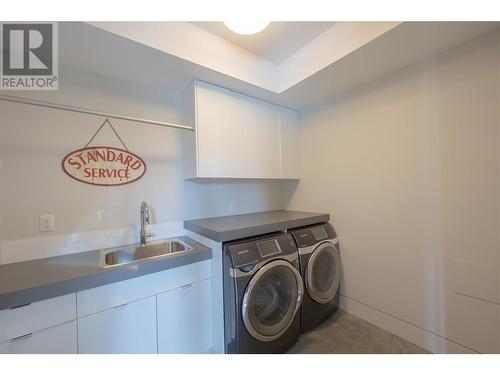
63,107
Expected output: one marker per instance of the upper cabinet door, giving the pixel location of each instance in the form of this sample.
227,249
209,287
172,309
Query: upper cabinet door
289,138
236,136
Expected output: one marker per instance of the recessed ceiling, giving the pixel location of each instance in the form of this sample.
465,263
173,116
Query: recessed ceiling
276,42
166,56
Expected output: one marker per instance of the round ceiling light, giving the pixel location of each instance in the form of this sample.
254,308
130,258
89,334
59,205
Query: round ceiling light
246,27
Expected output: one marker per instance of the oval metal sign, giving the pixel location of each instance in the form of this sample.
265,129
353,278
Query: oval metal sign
104,166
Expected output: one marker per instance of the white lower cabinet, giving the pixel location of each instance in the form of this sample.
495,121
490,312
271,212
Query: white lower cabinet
185,319
166,312
128,329
36,316
60,339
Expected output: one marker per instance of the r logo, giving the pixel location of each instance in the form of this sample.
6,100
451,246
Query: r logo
27,49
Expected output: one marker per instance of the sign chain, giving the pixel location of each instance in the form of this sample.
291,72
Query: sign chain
114,130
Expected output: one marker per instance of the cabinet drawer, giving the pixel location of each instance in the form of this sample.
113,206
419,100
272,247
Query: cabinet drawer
60,339
36,316
127,329
108,296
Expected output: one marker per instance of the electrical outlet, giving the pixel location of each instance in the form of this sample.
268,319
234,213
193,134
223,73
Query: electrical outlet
46,223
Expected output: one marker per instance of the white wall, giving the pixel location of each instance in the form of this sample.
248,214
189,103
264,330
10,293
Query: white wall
219,198
408,168
32,182
34,141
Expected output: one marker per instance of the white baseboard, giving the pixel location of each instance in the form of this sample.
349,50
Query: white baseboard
476,280
419,336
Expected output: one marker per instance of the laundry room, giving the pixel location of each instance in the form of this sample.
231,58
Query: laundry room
206,184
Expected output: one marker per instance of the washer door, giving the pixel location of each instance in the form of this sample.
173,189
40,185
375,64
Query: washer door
323,273
272,298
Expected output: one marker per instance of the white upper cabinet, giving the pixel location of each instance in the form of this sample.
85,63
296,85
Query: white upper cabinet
237,136
289,143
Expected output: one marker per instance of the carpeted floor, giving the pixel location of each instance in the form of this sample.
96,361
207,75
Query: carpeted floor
344,333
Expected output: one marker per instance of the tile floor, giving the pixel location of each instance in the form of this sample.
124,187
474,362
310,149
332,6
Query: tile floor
344,333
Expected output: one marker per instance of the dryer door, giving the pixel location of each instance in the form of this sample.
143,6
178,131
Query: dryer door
323,273
272,298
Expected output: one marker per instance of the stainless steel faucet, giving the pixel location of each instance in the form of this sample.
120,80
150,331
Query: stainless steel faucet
145,220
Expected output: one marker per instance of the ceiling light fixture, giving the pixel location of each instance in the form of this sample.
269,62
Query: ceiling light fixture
246,27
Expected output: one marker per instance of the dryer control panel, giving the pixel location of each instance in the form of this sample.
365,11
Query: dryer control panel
255,250
311,235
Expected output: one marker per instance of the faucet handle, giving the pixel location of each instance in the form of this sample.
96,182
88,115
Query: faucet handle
149,234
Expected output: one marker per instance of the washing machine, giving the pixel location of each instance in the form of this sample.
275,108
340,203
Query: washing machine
263,292
320,268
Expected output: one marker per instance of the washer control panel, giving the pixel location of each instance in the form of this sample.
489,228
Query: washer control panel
255,250
268,247
311,235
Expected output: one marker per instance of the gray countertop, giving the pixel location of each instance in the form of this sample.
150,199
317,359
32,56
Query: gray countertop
26,282
228,228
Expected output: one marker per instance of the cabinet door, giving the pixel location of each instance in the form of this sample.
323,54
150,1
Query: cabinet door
185,319
37,316
189,157
237,135
289,140
127,329
60,339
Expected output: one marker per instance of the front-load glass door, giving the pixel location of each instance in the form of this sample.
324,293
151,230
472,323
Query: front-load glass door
323,273
271,300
